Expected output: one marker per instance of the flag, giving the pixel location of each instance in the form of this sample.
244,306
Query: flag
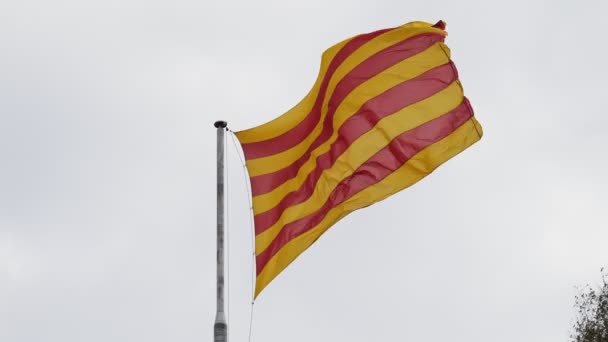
386,110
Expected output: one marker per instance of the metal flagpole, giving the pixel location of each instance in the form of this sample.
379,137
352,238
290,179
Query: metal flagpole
220,328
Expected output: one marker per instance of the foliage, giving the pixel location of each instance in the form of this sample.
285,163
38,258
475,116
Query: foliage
592,320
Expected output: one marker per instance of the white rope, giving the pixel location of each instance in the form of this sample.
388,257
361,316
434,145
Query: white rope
226,182
251,229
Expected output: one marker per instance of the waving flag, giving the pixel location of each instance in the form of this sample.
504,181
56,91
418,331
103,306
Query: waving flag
386,110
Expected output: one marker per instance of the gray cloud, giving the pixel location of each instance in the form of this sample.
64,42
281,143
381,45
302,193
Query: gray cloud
107,175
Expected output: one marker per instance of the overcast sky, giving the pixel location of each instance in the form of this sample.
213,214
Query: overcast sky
107,174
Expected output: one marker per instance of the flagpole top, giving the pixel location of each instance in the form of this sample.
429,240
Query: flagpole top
220,124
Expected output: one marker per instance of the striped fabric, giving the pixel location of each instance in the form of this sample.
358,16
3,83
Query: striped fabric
385,111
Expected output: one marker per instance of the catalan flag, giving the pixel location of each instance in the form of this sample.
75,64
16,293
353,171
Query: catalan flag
386,110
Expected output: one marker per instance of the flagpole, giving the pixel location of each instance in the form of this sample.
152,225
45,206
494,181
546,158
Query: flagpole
220,328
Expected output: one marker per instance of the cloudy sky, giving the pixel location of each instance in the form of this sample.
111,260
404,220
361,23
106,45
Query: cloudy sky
107,174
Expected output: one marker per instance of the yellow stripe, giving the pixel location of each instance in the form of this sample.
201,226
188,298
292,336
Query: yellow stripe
411,172
363,149
295,115
375,86
263,165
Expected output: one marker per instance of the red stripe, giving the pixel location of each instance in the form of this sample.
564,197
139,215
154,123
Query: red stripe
297,134
440,25
382,164
362,72
365,119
